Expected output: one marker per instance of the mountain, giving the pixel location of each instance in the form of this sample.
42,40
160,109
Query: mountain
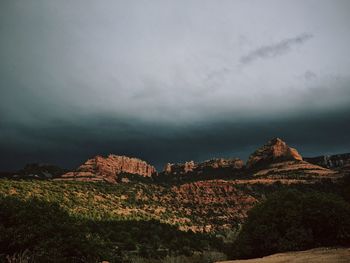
274,160
36,171
277,160
110,169
339,162
274,151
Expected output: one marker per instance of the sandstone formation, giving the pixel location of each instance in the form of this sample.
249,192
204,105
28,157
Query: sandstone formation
275,150
210,169
294,170
109,168
191,166
277,160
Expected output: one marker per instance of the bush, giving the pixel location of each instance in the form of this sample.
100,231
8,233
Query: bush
292,220
42,231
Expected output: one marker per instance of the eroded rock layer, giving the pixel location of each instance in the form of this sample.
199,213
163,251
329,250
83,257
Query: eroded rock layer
277,160
109,168
275,150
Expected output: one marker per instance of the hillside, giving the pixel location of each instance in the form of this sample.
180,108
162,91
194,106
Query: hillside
141,219
201,206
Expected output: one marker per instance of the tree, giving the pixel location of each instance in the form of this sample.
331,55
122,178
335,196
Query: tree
292,220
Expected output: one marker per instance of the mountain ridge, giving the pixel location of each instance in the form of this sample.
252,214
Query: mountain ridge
274,158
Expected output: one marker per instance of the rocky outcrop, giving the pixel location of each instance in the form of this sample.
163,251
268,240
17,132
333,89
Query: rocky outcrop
294,170
191,166
109,169
277,160
180,168
211,169
234,163
275,150
338,161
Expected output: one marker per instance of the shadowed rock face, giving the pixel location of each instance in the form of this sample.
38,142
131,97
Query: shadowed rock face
108,168
36,171
337,161
275,150
39,170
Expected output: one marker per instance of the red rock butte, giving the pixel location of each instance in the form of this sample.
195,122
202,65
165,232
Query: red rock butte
275,150
108,168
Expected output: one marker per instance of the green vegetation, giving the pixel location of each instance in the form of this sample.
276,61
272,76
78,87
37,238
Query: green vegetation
293,220
50,221
144,222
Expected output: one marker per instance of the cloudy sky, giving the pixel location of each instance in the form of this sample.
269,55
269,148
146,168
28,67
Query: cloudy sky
169,81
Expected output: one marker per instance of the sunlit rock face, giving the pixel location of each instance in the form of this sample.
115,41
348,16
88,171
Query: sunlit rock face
108,168
274,151
277,160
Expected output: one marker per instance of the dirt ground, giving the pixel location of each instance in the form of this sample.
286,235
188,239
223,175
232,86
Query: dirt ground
318,255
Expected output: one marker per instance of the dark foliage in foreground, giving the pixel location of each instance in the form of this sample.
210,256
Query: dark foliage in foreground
49,234
292,220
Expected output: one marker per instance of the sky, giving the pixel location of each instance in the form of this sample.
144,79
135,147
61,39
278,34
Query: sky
170,81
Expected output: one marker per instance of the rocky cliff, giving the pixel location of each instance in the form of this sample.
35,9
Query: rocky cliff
277,160
109,168
275,150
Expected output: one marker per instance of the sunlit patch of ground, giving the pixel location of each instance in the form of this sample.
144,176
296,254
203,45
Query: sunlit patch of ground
318,255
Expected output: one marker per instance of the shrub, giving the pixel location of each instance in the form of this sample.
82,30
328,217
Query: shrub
292,220
42,231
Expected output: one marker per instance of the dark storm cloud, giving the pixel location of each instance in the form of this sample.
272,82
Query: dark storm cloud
69,144
276,49
164,81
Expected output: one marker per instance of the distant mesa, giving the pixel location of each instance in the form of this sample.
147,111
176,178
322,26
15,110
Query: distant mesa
109,169
275,150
